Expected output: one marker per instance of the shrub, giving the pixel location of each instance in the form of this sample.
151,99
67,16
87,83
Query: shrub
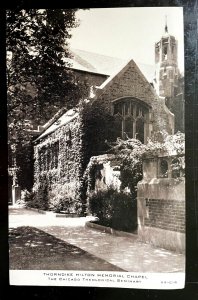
26,198
114,209
61,199
39,198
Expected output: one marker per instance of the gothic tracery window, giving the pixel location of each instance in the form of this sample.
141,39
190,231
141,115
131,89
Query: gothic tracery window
130,118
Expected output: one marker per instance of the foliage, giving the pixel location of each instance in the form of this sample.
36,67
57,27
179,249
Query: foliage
129,153
40,198
98,127
39,81
114,209
37,41
27,196
169,144
60,200
24,159
37,77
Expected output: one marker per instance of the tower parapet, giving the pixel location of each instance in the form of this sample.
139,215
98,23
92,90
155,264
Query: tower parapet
167,72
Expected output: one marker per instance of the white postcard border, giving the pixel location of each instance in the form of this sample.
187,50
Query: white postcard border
98,279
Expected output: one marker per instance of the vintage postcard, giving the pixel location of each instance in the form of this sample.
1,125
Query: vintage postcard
96,147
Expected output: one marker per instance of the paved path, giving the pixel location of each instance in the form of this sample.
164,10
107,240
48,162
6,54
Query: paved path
124,252
31,248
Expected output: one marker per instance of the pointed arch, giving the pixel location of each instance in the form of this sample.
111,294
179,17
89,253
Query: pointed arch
133,118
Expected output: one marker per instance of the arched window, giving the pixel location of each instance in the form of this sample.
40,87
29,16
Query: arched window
131,116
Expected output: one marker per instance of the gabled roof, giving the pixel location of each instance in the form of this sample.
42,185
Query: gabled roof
102,64
60,121
111,79
94,62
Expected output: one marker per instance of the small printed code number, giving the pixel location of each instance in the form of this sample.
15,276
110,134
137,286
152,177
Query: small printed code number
168,282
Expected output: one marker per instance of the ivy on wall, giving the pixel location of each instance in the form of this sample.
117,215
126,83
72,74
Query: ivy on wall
62,169
58,167
98,128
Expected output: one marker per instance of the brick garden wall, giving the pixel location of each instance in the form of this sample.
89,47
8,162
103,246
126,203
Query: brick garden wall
161,207
166,214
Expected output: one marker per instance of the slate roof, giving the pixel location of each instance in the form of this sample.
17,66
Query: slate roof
103,64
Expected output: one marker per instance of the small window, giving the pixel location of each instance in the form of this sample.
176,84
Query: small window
165,51
55,154
68,136
157,52
171,74
163,168
176,168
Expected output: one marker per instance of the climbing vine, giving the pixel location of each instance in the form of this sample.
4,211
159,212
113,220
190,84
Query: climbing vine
131,153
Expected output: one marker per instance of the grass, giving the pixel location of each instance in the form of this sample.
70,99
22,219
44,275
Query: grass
33,249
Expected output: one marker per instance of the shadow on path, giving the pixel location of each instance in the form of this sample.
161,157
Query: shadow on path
33,249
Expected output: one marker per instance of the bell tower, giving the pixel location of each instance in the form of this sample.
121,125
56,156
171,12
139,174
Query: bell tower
166,67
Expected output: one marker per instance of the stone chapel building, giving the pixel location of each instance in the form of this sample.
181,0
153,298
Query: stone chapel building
128,94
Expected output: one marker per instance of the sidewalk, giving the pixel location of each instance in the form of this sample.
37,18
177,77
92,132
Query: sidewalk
124,252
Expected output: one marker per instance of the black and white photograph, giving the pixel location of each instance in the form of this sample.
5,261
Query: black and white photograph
96,147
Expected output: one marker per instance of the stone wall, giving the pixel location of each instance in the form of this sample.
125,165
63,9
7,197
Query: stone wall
161,205
178,110
130,82
58,158
103,172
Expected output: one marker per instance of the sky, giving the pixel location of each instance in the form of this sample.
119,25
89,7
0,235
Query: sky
128,33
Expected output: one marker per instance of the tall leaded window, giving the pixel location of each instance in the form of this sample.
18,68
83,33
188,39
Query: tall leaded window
130,118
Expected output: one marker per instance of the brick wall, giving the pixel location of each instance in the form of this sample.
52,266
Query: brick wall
161,207
166,214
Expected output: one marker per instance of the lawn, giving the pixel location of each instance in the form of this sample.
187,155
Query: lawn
33,249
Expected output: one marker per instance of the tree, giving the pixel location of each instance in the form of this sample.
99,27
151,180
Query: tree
38,80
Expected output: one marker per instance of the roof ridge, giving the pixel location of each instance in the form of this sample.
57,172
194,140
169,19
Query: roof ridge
99,54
